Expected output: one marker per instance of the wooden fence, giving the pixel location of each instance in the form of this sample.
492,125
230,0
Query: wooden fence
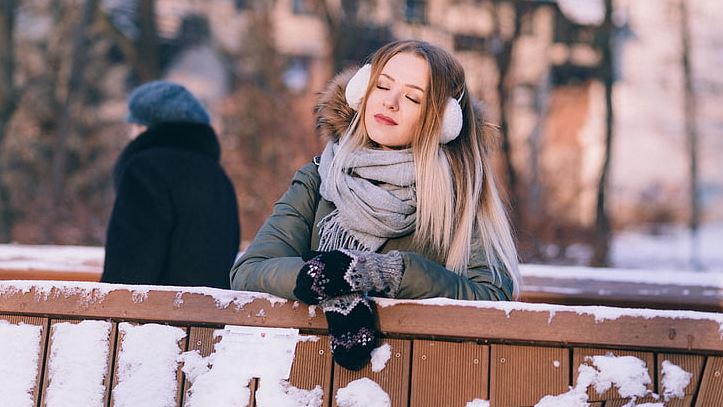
443,352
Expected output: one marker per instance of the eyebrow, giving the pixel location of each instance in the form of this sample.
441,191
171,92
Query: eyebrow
406,84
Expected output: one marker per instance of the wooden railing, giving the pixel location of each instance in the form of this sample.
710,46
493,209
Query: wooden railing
444,352
542,284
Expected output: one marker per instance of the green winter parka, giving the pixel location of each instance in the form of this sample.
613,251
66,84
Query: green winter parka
273,260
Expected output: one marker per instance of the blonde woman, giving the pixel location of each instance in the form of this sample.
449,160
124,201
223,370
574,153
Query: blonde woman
402,202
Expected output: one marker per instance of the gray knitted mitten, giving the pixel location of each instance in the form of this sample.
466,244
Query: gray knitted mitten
341,272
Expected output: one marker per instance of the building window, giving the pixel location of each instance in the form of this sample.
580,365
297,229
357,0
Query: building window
301,7
416,11
296,74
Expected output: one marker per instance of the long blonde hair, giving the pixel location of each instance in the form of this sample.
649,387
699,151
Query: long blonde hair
456,192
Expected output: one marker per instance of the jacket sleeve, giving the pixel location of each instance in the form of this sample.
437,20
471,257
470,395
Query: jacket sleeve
424,278
139,228
273,260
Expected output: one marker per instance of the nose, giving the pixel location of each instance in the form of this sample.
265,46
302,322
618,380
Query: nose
391,101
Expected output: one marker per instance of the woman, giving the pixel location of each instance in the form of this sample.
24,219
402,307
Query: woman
401,204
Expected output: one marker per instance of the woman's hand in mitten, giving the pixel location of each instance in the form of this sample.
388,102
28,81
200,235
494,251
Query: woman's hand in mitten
341,272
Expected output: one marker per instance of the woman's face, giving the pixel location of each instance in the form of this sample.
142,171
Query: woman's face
394,105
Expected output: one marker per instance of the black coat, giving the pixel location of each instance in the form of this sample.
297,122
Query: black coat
175,219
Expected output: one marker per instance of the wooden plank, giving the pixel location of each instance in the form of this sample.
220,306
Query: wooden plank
312,366
182,344
626,402
578,358
107,377
448,373
522,375
686,401
544,323
394,378
202,340
43,323
711,386
692,364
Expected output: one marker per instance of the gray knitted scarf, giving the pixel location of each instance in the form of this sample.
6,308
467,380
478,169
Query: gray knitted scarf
375,199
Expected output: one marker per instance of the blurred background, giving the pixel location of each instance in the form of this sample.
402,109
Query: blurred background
610,112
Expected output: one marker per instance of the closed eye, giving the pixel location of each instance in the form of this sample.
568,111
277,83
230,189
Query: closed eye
382,87
413,100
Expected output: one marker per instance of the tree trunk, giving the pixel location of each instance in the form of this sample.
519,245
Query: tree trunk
8,104
691,131
504,64
602,221
148,40
74,88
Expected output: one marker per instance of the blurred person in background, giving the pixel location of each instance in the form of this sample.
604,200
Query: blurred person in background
175,218
402,202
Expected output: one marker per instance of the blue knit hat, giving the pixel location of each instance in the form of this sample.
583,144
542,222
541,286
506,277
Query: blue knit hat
162,101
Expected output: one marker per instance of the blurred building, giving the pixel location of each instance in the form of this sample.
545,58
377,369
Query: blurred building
553,91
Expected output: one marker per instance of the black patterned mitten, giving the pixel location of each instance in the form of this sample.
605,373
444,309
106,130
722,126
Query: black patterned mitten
352,329
340,272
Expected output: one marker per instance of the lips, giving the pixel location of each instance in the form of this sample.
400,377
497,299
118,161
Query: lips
385,120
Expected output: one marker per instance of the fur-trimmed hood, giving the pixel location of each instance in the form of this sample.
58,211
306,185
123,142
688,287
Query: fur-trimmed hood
333,115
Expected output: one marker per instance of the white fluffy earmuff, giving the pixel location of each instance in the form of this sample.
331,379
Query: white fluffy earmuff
451,119
357,85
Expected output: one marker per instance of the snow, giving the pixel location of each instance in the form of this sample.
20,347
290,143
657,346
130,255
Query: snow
669,249
362,393
222,378
147,365
675,380
380,357
18,362
657,277
628,374
81,259
78,364
92,292
583,12
477,403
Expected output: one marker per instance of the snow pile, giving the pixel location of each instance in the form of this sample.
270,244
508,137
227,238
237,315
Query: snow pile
79,259
362,393
628,374
18,363
380,357
675,380
78,364
477,403
223,377
147,365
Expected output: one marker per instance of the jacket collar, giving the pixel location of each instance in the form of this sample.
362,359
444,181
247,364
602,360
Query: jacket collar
192,137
